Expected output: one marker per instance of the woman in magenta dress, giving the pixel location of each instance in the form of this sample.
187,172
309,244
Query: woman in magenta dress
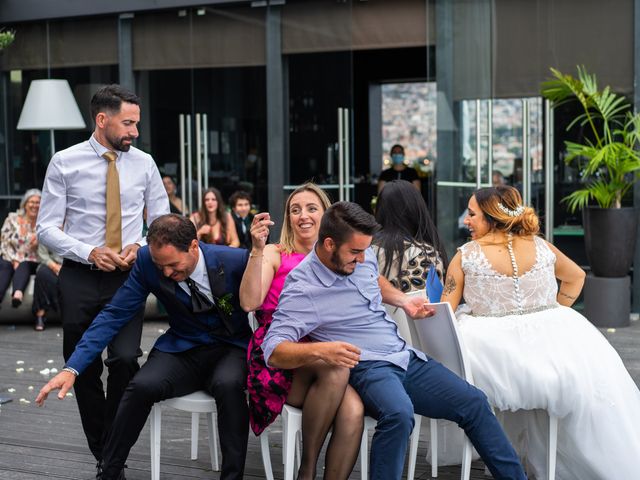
321,391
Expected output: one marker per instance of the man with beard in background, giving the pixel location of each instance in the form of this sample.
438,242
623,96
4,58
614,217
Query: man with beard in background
91,214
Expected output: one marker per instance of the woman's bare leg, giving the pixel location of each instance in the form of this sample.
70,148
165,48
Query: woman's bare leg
319,390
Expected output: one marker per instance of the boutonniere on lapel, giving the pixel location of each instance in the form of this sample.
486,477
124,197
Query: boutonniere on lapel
218,290
224,303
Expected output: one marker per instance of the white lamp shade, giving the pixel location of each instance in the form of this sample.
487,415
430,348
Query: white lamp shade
50,105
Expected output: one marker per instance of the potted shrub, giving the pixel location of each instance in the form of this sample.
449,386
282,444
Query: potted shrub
609,165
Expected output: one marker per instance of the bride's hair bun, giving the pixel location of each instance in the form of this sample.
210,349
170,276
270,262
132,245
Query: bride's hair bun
503,209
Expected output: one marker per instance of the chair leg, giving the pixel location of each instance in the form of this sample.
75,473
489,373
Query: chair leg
433,426
413,448
467,452
213,441
195,431
155,432
364,455
552,445
290,435
266,455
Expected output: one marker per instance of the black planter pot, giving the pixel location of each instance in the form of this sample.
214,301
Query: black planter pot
610,239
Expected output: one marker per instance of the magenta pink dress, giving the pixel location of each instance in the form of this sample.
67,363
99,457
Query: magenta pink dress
268,387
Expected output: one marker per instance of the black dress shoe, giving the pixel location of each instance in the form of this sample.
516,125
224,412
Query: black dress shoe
16,302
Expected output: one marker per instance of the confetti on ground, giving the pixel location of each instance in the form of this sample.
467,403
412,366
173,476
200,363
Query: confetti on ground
49,361
54,370
31,369
11,390
24,400
57,334
145,352
69,394
611,330
160,330
45,371
20,370
20,362
30,387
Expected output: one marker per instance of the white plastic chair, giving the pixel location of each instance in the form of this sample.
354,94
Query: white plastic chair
438,337
291,434
196,403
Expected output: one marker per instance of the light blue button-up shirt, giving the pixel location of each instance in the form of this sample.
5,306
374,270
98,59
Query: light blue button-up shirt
328,307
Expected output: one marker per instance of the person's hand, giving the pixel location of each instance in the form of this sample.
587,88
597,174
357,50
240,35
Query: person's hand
129,255
55,267
15,264
107,260
417,307
63,382
204,231
339,354
33,243
260,230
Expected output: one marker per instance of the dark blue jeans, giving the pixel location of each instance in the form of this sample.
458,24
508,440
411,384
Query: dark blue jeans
391,395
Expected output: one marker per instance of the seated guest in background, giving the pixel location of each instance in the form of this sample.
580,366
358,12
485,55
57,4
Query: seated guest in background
530,352
335,297
213,223
45,290
205,347
320,389
240,203
175,202
398,170
19,245
408,245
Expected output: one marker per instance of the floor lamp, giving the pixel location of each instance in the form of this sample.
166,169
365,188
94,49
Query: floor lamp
50,105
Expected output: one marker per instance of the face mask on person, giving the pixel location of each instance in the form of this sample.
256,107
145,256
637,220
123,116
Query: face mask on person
397,158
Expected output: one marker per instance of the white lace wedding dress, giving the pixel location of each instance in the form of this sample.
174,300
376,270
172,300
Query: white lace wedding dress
527,352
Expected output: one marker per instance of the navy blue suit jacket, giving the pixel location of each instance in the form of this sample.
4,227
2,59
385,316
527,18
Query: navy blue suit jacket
225,267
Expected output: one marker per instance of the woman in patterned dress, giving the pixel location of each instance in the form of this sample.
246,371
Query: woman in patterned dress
321,390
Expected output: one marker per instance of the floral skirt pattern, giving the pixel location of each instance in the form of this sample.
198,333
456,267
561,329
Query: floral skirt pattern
268,387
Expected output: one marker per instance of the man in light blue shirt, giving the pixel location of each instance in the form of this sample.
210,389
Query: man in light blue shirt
335,297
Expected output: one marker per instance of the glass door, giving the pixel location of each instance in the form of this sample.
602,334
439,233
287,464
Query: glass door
319,62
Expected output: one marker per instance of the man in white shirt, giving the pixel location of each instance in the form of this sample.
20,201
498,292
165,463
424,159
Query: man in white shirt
91,214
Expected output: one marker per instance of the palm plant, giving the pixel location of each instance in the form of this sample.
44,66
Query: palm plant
608,157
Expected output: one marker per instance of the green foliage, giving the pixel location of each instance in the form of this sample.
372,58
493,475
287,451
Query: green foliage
608,159
6,38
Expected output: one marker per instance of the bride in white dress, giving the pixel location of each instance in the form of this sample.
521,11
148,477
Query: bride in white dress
529,350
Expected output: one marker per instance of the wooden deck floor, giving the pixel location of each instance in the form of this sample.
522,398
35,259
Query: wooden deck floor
48,442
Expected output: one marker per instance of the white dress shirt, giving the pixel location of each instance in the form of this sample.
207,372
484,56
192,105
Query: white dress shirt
74,195
200,277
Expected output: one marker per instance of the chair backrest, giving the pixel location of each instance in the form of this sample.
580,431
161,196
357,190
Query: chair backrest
437,336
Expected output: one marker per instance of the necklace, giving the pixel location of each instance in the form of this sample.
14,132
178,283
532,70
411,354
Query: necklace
516,279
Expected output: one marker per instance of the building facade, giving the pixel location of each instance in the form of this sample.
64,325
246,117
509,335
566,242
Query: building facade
263,95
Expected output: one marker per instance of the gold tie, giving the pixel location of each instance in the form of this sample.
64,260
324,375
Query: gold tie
113,235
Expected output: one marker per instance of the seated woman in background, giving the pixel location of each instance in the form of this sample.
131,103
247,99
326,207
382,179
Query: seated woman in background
213,223
408,244
529,350
45,290
321,390
175,202
18,246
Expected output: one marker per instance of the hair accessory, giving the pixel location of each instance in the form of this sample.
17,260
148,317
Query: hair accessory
512,213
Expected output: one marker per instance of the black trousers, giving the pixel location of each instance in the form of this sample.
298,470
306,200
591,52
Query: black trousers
45,290
83,293
6,274
221,370
20,275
